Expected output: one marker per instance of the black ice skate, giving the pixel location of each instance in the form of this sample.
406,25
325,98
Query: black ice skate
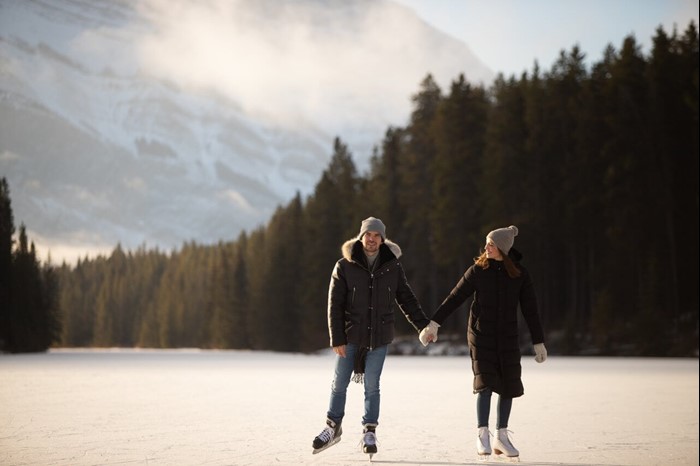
328,437
369,441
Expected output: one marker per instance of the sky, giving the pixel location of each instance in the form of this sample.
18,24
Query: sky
509,35
291,71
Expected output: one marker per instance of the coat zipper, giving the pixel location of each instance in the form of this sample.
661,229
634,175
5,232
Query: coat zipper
371,315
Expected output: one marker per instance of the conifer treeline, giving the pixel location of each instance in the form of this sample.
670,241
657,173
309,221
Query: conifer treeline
29,314
598,168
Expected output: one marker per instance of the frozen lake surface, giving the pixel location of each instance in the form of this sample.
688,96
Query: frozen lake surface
191,407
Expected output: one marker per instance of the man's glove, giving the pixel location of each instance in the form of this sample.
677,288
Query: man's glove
540,352
429,333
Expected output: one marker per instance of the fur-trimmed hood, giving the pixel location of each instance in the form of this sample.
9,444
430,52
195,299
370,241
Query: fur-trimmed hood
348,248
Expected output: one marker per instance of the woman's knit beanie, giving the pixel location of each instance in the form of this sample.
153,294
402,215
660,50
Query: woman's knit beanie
503,238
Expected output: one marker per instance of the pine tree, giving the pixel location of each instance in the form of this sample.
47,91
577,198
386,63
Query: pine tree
332,215
257,287
49,308
29,311
280,301
506,162
416,177
33,323
383,185
240,307
459,131
674,112
7,230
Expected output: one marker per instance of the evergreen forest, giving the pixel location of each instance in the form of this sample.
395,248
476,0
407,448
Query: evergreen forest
29,313
596,165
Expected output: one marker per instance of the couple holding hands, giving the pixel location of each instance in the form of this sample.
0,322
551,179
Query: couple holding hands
369,279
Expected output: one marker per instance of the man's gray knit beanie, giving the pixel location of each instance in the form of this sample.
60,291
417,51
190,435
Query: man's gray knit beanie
372,224
503,238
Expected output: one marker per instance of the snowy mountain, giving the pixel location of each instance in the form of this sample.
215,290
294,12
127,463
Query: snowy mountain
157,122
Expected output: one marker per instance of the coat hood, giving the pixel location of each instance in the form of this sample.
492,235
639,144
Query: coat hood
515,255
349,247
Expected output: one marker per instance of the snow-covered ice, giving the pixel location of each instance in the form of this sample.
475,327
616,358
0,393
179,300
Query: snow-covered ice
191,407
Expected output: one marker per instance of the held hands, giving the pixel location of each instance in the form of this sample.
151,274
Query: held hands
429,333
540,352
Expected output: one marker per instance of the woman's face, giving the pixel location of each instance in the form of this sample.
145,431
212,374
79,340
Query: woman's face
492,251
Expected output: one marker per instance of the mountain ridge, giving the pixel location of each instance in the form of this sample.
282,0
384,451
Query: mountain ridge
101,147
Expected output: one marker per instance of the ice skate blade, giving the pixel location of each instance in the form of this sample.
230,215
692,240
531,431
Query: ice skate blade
507,459
327,446
370,451
498,459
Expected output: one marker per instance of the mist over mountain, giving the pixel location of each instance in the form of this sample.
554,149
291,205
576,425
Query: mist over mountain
157,122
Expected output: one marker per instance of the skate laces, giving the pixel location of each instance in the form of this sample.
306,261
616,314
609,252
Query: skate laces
506,438
368,438
327,434
484,436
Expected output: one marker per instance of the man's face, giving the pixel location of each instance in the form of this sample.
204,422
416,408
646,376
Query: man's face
371,241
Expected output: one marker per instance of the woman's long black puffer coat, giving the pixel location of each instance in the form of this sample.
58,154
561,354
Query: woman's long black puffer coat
493,323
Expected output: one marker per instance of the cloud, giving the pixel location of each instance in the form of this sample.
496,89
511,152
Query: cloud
353,65
238,200
8,156
70,248
136,183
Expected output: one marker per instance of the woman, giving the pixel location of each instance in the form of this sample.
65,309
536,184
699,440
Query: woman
499,284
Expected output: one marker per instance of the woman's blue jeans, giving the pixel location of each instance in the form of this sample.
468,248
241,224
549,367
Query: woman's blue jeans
341,380
483,409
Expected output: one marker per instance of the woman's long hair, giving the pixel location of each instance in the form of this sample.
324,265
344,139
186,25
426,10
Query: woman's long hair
483,262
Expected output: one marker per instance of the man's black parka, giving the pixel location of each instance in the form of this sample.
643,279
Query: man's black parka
361,301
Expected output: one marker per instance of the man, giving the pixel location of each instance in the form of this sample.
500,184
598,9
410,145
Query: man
365,284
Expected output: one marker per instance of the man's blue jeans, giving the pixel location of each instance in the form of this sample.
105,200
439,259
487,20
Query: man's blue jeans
341,380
